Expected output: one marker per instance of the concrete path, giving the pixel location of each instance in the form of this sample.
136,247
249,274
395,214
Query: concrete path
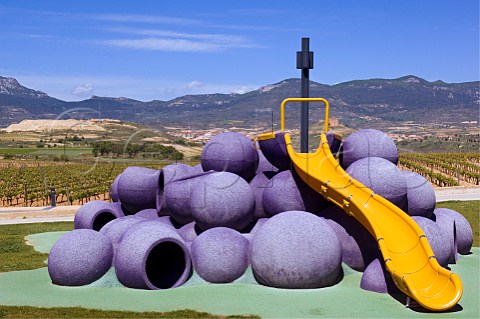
23,215
457,193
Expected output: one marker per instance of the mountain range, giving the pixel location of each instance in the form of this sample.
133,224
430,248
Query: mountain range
376,103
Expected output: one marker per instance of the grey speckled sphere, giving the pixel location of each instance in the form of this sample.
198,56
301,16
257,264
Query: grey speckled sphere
114,189
376,278
138,188
421,198
222,199
79,258
359,247
258,184
275,151
447,225
220,255
381,176
230,152
115,229
437,240
368,143
296,250
464,233
287,192
95,214
151,255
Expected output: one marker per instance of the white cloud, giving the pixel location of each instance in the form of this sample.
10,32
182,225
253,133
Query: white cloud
83,90
194,85
137,18
175,45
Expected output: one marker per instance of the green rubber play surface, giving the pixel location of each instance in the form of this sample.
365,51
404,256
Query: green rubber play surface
34,288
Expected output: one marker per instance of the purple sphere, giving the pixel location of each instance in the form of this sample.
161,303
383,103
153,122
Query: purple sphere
151,255
258,184
421,198
447,225
188,232
197,169
149,213
463,230
264,165
368,143
439,243
95,214
296,250
382,177
275,151
176,171
359,247
222,199
79,258
287,192
115,229
220,255
114,189
334,141
376,278
230,152
138,188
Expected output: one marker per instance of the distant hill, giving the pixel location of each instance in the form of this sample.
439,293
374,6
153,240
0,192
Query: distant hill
363,103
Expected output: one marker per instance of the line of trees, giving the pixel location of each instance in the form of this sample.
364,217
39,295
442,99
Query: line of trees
106,148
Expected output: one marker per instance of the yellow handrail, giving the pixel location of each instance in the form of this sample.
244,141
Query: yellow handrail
303,99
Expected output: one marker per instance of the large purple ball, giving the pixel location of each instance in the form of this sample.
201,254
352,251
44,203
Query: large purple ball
376,278
79,258
115,229
464,233
359,247
447,225
220,255
437,240
151,255
138,188
275,151
296,250
258,184
382,177
114,189
287,192
222,199
170,174
368,143
421,198
95,214
264,165
230,152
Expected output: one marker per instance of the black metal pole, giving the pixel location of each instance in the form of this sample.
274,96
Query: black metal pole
305,63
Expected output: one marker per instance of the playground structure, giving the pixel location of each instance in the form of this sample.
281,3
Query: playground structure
294,217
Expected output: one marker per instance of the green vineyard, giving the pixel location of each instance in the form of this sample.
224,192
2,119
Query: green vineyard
444,169
30,184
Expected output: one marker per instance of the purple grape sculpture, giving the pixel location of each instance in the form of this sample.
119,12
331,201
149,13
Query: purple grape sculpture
115,229
220,255
230,152
79,258
275,151
463,230
448,228
95,214
368,143
222,199
421,198
296,250
114,189
170,174
382,177
151,255
264,165
138,188
258,184
376,278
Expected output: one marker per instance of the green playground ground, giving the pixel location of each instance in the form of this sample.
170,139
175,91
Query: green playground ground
34,288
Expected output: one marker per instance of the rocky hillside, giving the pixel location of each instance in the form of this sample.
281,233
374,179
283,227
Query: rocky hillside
374,103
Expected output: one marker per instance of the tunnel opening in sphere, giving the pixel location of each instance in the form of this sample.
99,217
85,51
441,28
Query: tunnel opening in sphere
102,219
165,265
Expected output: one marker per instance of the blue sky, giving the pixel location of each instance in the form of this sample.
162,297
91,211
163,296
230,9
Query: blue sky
163,49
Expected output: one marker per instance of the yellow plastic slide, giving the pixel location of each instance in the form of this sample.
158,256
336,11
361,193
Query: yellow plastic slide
405,249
